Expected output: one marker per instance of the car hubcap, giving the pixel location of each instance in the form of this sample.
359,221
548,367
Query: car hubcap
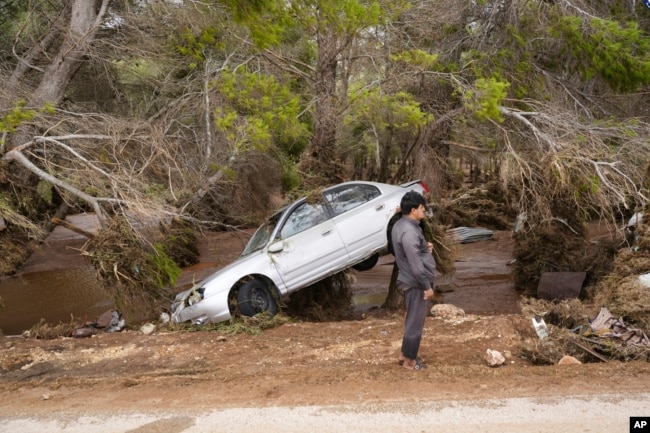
259,301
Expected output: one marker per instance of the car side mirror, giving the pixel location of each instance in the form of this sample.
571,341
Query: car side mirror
276,247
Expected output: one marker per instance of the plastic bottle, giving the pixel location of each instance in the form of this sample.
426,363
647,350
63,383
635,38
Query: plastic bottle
540,327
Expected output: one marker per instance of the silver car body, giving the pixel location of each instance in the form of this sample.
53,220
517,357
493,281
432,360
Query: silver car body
301,244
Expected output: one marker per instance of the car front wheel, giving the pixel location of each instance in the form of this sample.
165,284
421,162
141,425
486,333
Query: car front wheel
256,297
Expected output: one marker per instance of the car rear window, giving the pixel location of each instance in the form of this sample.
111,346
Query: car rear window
345,198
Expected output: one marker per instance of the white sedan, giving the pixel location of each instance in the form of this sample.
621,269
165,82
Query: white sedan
309,240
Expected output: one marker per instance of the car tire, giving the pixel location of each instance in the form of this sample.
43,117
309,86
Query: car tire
255,297
367,264
389,231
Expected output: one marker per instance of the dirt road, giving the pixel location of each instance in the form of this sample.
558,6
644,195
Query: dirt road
514,415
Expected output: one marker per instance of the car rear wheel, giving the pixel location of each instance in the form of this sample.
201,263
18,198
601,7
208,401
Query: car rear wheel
255,297
367,264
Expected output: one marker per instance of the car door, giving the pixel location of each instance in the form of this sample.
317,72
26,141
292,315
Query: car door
309,245
361,216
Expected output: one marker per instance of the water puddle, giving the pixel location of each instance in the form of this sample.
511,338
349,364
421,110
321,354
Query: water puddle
55,296
368,301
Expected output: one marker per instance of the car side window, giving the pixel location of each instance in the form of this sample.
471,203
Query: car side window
305,216
348,197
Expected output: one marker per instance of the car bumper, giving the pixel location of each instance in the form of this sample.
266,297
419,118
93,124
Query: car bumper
207,310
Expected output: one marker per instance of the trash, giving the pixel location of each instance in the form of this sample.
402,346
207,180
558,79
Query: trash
631,234
590,351
519,222
466,235
606,325
540,327
636,219
560,285
494,358
645,280
117,322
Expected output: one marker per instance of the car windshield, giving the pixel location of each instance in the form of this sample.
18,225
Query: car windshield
262,235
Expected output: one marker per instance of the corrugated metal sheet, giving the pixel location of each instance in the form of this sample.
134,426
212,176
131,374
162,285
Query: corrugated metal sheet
466,235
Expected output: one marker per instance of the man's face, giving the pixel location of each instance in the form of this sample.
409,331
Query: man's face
418,213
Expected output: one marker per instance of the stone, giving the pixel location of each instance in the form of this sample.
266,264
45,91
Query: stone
148,328
494,358
568,360
446,310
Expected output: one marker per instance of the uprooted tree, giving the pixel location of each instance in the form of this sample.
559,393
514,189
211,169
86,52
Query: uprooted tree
165,109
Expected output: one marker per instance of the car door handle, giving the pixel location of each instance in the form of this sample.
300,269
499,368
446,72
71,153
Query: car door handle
379,207
327,232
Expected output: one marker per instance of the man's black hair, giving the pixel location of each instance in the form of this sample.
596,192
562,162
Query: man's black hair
411,200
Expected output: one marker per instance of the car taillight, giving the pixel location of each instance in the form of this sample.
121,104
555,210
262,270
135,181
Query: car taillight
424,186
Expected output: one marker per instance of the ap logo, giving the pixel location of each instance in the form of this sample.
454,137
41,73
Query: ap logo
640,424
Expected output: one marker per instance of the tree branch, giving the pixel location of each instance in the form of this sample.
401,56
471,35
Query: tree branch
16,155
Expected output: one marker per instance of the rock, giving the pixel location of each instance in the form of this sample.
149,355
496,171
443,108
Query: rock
568,360
446,310
111,320
105,319
494,358
148,328
84,332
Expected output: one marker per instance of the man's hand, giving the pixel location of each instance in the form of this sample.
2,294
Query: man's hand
428,294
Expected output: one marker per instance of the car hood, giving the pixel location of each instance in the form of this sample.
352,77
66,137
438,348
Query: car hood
257,263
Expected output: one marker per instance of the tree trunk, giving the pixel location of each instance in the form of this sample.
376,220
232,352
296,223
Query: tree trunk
384,161
28,61
325,119
85,19
395,298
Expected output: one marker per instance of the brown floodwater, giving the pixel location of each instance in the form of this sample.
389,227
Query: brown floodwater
55,284
55,296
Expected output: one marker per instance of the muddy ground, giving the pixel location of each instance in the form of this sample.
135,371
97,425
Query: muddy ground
302,363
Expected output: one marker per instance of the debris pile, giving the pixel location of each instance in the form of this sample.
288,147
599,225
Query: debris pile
484,207
135,272
623,291
585,332
110,321
607,326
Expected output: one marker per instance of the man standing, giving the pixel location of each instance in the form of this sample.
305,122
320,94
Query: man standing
417,269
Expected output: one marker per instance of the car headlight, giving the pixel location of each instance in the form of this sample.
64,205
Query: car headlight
196,295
